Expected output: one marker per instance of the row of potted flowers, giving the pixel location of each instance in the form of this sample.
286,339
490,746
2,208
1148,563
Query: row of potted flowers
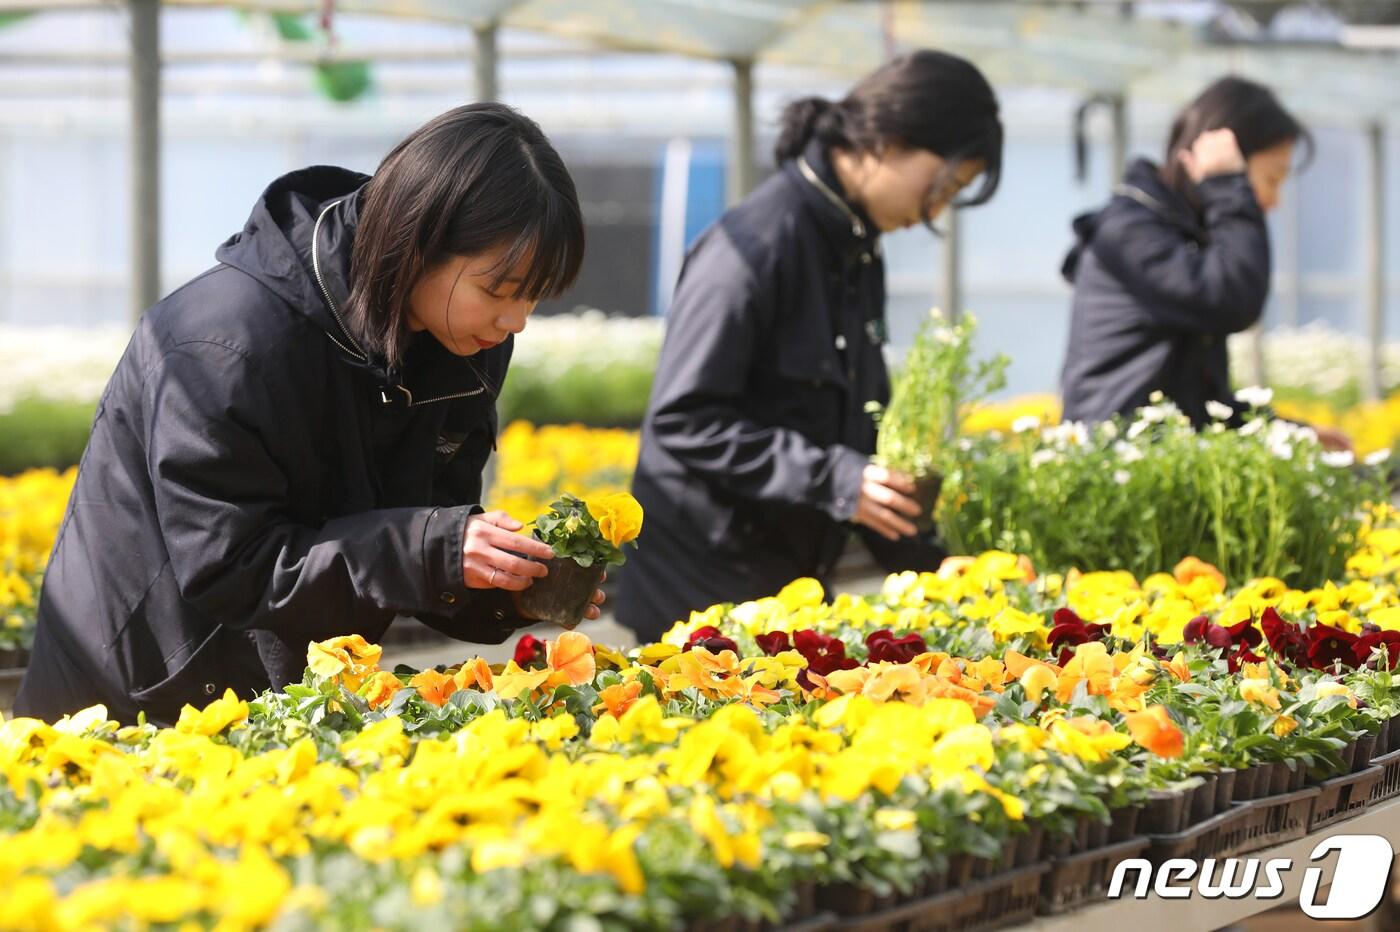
534,464
762,761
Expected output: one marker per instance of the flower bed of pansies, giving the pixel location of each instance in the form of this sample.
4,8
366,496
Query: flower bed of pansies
534,465
31,509
762,761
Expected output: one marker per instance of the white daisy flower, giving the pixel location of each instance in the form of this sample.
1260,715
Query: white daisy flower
1218,411
1256,396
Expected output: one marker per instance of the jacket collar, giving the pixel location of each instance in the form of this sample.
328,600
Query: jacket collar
844,224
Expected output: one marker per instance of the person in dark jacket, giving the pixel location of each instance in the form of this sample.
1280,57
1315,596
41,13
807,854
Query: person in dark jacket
291,447
1179,260
756,446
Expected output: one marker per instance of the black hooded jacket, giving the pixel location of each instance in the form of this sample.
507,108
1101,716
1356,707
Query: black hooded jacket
1158,286
757,432
255,481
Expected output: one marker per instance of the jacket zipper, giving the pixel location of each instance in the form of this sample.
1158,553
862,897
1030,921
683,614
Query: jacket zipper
325,292
857,225
473,392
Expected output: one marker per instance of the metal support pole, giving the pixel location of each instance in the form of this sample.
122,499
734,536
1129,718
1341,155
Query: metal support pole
487,87
1259,371
952,267
1375,260
1118,115
742,170
144,170
1293,252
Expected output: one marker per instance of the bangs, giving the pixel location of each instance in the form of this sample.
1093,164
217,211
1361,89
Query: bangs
549,247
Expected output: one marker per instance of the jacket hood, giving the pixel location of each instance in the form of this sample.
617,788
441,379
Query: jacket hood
1142,187
275,245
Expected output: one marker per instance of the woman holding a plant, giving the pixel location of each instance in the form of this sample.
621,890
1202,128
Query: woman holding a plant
292,446
756,448
1179,260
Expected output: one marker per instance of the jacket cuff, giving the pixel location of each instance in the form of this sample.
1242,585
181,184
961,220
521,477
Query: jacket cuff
443,534
843,489
483,616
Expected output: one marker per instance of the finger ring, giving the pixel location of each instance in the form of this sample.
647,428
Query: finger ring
492,580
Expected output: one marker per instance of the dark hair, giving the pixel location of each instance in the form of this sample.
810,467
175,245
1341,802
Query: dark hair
476,178
925,100
1250,110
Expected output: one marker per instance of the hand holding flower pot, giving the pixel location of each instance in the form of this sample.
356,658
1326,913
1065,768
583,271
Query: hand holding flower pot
587,538
936,387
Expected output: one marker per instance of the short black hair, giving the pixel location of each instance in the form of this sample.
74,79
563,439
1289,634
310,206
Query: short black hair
475,178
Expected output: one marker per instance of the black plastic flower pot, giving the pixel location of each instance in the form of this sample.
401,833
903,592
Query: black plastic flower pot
563,596
1365,750
1029,843
846,899
1099,833
926,492
1225,788
1202,800
936,883
959,870
1243,789
1348,756
1125,821
1282,779
1162,814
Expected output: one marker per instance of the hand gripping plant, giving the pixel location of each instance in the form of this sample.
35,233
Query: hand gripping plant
936,387
587,538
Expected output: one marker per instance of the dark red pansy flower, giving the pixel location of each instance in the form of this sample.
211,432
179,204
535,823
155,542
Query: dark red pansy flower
885,647
1369,641
1240,655
1201,630
824,653
774,642
1328,646
1286,640
1245,633
710,638
1070,630
528,649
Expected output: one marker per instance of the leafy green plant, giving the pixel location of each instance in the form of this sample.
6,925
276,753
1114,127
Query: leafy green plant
935,389
595,534
1264,500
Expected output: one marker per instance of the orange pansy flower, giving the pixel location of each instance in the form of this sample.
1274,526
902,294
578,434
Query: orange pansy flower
1154,729
435,688
570,657
475,673
618,698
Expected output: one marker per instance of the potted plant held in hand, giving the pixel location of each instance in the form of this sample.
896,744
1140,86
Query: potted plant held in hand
587,538
936,386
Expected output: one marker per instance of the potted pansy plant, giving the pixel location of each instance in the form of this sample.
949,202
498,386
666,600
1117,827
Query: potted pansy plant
587,538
